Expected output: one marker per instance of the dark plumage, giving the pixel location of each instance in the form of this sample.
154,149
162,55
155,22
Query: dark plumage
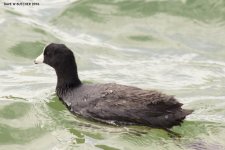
110,103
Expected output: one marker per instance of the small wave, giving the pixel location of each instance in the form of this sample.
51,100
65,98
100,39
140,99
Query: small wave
2,20
66,37
210,118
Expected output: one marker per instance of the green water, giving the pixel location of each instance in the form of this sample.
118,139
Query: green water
175,46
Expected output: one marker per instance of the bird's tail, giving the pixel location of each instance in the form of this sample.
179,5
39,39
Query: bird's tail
170,119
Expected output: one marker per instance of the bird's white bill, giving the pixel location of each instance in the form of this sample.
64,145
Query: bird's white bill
39,59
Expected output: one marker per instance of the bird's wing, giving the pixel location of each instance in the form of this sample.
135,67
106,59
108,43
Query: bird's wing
131,104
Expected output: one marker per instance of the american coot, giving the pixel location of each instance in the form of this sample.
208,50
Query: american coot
110,103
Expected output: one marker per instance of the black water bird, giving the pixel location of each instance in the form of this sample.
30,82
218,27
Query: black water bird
110,103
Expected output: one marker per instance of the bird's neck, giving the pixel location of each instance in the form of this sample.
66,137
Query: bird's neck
67,78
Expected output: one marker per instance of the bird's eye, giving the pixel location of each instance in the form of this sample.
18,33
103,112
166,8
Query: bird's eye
46,53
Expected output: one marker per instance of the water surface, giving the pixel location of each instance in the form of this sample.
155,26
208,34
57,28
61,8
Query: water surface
175,46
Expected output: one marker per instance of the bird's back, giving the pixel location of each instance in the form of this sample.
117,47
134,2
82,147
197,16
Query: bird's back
122,104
